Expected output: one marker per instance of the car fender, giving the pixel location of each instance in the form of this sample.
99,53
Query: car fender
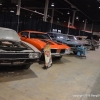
32,47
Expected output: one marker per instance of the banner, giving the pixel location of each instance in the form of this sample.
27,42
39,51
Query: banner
47,55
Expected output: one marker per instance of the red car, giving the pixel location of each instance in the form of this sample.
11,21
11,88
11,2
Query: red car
40,39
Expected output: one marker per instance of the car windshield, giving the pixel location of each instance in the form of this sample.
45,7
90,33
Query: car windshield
61,36
72,37
39,35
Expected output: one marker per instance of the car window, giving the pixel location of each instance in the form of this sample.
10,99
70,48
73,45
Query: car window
51,35
61,36
72,37
24,34
39,35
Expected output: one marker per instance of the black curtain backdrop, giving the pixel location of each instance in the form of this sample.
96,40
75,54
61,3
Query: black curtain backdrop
19,23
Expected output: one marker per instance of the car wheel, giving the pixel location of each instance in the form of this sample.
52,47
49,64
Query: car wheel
92,47
59,57
26,66
75,52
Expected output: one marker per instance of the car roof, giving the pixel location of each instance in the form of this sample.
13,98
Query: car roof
55,32
70,35
34,31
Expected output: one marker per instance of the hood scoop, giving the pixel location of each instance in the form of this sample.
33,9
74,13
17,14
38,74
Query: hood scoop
47,41
51,42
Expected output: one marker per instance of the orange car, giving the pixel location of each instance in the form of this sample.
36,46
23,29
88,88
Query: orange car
40,39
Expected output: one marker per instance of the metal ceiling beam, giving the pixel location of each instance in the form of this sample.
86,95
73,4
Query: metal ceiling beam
43,8
74,12
18,7
32,11
78,9
52,15
46,10
85,24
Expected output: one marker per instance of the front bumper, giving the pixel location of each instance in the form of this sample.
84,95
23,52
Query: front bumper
17,58
15,62
59,53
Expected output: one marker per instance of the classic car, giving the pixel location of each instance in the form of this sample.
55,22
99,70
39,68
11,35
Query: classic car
13,51
63,38
93,41
40,39
84,43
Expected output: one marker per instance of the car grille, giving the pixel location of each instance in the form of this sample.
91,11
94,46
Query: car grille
14,55
53,50
62,51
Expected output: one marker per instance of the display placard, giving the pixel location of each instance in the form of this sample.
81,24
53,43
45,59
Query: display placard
47,55
54,30
59,31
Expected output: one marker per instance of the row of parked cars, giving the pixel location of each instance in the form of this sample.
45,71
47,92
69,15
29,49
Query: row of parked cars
26,46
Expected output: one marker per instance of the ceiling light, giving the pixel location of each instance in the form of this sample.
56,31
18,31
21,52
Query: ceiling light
99,7
57,18
16,5
76,17
64,21
12,11
68,13
52,5
30,17
83,21
0,4
35,11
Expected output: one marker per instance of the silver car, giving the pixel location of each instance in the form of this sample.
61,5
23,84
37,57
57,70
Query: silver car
13,51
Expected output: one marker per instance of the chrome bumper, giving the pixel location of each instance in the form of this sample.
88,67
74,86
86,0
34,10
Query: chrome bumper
61,54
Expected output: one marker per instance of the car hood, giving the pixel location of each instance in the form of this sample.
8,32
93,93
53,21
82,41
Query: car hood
84,41
75,42
72,42
9,34
53,44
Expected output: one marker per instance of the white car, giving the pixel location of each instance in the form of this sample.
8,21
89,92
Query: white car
13,51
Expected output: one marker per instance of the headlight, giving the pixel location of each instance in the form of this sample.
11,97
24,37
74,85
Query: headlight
67,51
33,55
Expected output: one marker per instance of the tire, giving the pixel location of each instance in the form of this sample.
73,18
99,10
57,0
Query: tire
27,66
59,57
75,52
92,47
42,58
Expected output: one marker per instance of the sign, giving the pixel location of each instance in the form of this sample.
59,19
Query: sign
47,55
59,31
54,30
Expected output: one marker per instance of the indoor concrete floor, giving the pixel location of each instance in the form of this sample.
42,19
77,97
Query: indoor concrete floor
70,78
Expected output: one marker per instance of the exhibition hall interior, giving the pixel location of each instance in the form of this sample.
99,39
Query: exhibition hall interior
49,49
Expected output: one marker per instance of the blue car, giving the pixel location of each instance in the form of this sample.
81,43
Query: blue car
63,38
